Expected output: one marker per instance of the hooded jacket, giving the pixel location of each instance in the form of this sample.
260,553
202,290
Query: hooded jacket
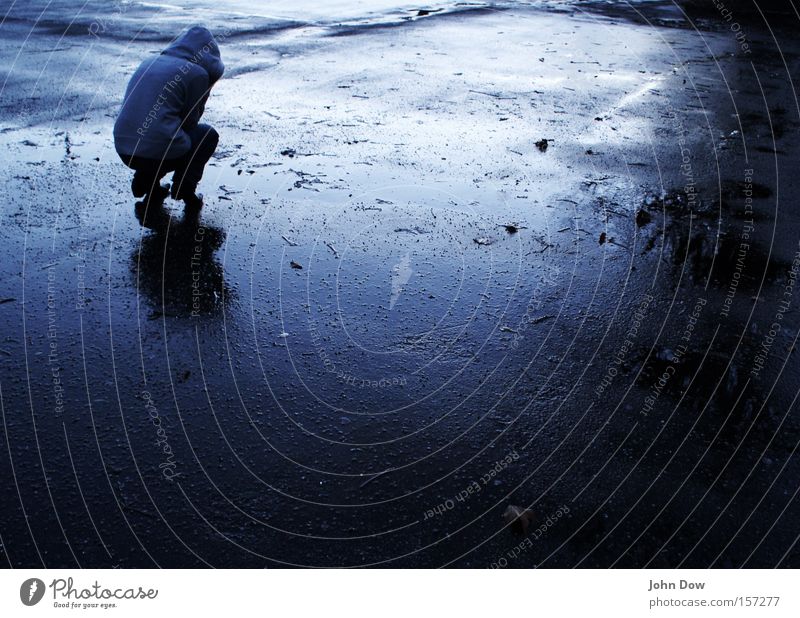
166,96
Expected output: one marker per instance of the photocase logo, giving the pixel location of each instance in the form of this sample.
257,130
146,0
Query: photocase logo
31,591
401,274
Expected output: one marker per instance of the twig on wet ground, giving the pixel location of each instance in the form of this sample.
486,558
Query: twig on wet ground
542,250
414,231
611,241
493,94
374,477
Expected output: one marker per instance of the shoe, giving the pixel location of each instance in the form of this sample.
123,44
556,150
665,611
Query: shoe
140,187
159,194
154,200
191,199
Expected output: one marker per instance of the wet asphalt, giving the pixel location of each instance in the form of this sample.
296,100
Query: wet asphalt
433,279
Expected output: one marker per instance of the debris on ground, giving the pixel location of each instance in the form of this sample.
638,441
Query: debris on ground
483,241
742,190
518,519
416,230
642,217
294,264
542,144
512,228
602,239
305,180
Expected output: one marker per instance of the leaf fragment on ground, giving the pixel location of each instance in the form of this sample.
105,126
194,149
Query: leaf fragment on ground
518,518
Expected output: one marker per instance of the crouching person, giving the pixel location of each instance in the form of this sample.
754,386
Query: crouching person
158,129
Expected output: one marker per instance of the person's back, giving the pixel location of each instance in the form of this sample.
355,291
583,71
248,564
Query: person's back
158,128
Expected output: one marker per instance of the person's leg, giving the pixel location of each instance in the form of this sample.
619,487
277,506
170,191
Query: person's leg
190,169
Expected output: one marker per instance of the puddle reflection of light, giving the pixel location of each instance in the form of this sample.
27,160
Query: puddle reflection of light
542,82
632,97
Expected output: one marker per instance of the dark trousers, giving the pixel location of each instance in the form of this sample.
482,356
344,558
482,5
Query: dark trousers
187,170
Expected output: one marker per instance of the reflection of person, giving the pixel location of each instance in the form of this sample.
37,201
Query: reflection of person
158,128
175,268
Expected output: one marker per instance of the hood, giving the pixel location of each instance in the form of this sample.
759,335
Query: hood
197,45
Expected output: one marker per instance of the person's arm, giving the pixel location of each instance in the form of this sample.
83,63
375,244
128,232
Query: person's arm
197,91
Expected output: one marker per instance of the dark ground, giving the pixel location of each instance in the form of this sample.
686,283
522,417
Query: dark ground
386,403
